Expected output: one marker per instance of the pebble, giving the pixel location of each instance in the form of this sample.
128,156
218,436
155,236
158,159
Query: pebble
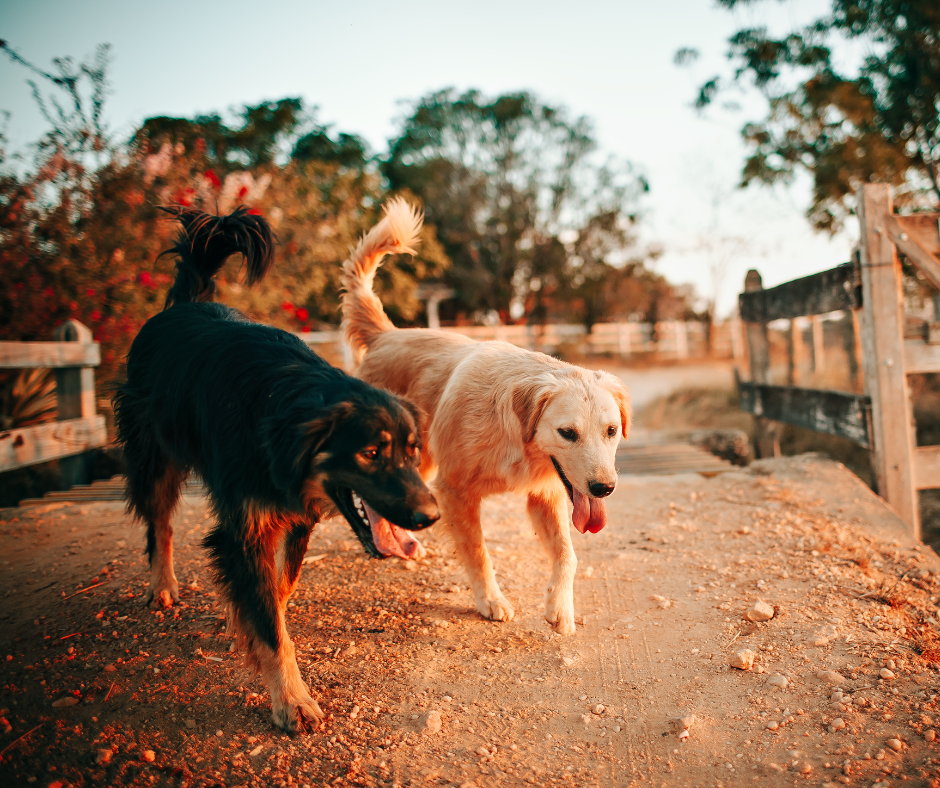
661,601
190,724
683,735
256,751
930,735
886,673
832,676
104,757
109,668
759,611
772,725
683,723
149,756
778,682
894,744
802,767
743,659
582,697
598,709
568,661
354,713
482,751
432,723
836,725
442,624
64,702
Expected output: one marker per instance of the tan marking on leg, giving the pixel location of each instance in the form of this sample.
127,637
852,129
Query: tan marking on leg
549,515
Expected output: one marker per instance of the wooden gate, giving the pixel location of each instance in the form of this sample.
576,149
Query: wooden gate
871,289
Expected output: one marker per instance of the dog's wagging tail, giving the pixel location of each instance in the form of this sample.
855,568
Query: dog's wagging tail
280,438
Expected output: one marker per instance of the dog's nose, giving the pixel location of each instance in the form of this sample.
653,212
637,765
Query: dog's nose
426,518
600,490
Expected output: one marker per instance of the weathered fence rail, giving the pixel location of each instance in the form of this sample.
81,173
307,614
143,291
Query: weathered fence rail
667,340
78,427
871,290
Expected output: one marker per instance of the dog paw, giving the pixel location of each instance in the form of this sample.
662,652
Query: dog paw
561,618
297,716
164,595
496,609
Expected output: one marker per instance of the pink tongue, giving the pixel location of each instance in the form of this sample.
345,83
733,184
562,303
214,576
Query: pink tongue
590,514
388,537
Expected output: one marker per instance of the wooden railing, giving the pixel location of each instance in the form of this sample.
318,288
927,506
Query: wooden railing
78,427
871,290
668,340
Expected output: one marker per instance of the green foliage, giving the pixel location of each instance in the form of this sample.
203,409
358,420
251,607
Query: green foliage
518,203
879,124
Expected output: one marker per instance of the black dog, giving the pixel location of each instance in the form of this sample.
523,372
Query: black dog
279,437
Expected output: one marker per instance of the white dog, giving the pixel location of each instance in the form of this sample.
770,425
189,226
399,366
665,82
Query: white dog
499,419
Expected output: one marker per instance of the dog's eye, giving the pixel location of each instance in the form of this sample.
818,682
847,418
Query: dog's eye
568,434
369,454
612,430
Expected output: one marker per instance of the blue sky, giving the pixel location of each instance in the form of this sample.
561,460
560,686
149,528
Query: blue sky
611,61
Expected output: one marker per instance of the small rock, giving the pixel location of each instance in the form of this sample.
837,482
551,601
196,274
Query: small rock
598,709
886,673
661,601
895,744
104,757
354,713
568,661
256,751
802,767
930,735
772,725
62,703
589,572
432,723
149,756
582,697
759,611
778,682
442,624
586,719
190,724
831,676
482,751
836,725
682,723
743,659
109,668
683,735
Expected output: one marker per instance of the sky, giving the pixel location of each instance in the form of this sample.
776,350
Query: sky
358,61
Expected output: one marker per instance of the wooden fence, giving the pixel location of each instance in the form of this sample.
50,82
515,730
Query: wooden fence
666,340
78,427
871,290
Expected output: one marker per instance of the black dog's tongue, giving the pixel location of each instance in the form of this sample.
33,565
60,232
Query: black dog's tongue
389,538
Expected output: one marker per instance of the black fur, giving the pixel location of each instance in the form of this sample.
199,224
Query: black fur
275,432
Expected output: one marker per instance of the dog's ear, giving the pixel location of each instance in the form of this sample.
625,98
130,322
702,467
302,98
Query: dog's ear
528,403
419,416
294,446
621,395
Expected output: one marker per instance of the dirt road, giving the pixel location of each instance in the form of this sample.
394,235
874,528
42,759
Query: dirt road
422,692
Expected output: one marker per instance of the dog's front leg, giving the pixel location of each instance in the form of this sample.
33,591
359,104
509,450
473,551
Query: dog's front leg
549,515
462,518
258,575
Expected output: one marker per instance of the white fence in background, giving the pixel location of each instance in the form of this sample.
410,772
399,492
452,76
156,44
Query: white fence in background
672,340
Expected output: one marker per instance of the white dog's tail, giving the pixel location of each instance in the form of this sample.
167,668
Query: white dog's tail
364,319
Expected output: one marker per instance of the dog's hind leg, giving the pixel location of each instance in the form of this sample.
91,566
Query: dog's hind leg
549,515
462,521
153,493
257,561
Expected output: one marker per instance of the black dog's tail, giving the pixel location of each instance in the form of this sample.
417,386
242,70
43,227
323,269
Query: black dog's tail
204,244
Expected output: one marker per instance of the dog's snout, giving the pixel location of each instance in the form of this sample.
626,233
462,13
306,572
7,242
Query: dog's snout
426,517
600,489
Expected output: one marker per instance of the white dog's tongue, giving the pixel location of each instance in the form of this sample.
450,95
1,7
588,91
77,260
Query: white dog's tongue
388,537
590,514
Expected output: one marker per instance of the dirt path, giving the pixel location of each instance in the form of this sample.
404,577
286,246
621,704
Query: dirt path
394,649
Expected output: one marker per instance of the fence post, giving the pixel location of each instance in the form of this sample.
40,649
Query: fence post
819,345
766,443
794,352
75,399
882,337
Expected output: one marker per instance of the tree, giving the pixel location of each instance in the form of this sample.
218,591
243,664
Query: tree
513,190
845,129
